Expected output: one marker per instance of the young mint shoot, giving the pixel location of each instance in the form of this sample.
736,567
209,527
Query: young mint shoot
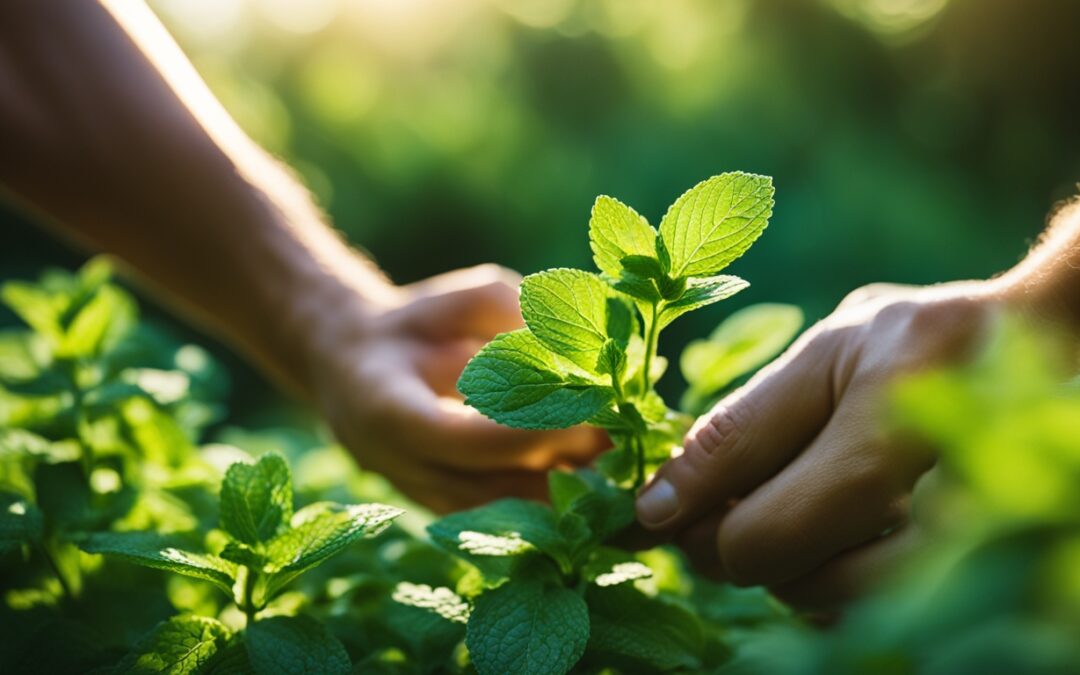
589,351
551,594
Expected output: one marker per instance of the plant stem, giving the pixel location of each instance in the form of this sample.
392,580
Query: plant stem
249,590
651,337
64,587
639,456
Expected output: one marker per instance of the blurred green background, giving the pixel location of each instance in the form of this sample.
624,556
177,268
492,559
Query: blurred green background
910,140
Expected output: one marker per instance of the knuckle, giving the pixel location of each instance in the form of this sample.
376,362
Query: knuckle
723,432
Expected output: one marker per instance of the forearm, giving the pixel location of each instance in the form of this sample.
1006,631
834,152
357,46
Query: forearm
109,131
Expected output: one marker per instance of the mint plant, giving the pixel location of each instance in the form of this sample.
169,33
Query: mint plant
551,591
589,352
265,545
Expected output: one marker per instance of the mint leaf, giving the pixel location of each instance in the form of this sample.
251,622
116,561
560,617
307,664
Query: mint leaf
295,645
256,499
516,381
620,573
509,520
699,293
638,287
442,601
529,628
617,231
643,266
179,646
104,319
612,360
573,313
714,222
637,632
318,532
745,341
606,508
151,550
37,307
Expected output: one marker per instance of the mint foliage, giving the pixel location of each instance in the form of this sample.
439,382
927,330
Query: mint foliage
527,627
183,645
256,499
713,223
589,354
295,645
516,381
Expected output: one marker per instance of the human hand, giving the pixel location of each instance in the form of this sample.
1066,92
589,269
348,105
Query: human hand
793,481
385,379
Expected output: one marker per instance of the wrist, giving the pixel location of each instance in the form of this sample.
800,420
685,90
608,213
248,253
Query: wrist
328,312
1045,286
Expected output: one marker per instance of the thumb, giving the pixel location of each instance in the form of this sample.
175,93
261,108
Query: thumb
476,302
746,439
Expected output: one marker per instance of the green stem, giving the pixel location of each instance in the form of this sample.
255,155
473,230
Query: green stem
246,603
639,456
64,587
651,337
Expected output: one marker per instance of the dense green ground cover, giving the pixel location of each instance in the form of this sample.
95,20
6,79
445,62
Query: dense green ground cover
132,542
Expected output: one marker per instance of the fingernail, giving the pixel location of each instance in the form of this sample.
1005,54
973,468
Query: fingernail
658,503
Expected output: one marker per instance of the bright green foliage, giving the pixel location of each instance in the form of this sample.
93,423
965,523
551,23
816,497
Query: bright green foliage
608,327
265,552
589,355
295,645
150,550
183,645
256,499
714,222
527,627
516,381
746,340
574,313
616,231
642,633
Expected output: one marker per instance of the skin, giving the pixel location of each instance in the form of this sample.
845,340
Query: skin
793,481
108,133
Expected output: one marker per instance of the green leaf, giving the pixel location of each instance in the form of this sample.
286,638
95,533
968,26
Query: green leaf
295,645
638,287
516,381
606,508
23,443
528,628
573,313
103,320
643,266
320,531
48,382
620,573
179,646
638,632
256,499
699,293
745,341
20,522
151,550
714,222
508,519
564,487
37,307
612,360
442,601
617,231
